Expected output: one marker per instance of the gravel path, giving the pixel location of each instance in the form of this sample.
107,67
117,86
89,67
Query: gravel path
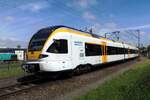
66,89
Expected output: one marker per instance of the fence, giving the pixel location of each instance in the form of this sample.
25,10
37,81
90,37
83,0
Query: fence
11,69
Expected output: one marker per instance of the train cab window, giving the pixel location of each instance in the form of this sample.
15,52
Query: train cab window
38,40
58,46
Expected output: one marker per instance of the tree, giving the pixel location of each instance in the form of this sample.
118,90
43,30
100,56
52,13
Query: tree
18,46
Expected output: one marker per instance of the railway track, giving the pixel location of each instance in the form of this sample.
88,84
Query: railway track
5,91
16,88
25,83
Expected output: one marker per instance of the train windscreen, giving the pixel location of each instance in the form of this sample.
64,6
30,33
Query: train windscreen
38,40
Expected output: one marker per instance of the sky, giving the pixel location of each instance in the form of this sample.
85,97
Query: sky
20,19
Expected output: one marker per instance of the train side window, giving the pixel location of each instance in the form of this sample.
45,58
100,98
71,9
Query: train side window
122,50
115,50
112,50
92,50
133,51
59,46
109,50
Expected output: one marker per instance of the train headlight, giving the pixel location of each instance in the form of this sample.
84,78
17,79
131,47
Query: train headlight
25,67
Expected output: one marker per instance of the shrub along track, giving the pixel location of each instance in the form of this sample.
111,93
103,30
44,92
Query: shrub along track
65,88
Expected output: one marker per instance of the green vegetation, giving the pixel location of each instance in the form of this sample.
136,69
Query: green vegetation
133,84
10,69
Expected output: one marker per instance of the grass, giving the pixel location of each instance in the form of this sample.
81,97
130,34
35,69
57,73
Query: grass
10,70
133,84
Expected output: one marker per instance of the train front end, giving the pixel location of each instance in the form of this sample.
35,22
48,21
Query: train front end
34,53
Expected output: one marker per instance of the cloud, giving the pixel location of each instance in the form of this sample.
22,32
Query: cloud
86,3
88,16
135,28
10,38
101,29
111,16
11,42
34,7
111,25
9,18
98,27
91,19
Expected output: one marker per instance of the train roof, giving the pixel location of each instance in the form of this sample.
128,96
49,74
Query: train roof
62,26
53,28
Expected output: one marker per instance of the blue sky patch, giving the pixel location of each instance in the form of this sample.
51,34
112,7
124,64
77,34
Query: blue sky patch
19,19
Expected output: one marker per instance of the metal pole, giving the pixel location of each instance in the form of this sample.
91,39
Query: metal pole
138,31
117,35
138,38
148,51
118,38
105,35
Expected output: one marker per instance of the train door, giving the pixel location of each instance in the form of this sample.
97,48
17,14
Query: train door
81,55
128,52
77,52
104,52
124,51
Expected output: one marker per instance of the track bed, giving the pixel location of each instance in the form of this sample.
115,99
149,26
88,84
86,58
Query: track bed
65,88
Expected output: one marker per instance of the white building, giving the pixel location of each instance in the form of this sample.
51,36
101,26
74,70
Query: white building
21,54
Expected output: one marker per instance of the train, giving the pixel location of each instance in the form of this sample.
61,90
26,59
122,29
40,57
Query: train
62,48
8,57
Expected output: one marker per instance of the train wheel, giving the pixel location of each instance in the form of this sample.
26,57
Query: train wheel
89,67
67,74
78,71
70,74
